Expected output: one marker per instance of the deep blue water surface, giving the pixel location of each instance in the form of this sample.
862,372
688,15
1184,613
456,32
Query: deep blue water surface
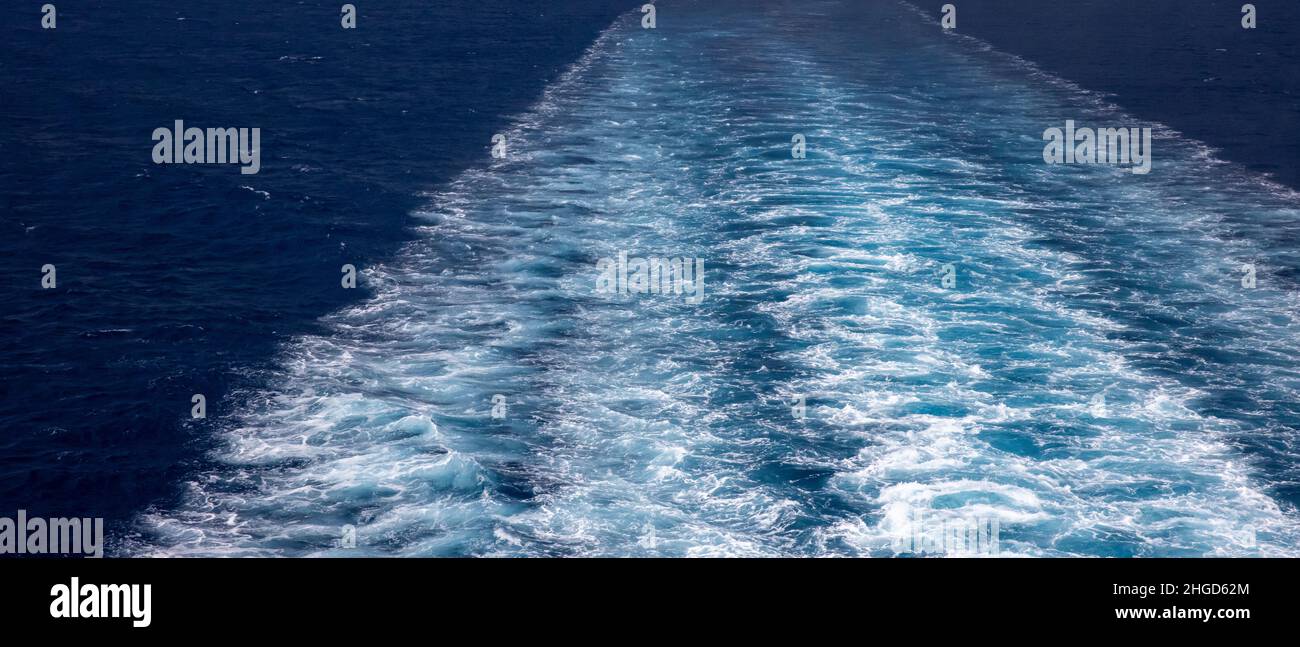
175,280
1097,380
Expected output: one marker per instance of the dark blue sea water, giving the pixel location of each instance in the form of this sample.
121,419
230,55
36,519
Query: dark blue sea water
1098,380
177,280
1188,65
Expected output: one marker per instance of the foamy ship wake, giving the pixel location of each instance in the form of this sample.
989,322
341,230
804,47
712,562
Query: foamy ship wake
1093,381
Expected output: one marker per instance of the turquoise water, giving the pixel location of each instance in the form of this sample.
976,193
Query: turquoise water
1097,380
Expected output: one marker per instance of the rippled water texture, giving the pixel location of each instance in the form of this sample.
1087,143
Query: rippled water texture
1098,380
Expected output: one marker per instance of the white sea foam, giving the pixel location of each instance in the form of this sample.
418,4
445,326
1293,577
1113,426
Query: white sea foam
650,427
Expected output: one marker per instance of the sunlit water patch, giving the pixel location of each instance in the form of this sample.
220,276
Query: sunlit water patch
1096,379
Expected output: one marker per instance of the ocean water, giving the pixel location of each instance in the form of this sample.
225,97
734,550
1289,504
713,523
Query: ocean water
1098,380
1189,65
184,279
